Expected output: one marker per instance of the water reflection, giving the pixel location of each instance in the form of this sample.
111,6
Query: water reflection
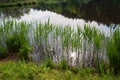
103,11
57,19
32,14
13,12
56,45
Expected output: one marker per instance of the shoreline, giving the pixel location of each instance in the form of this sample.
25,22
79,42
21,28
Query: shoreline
17,4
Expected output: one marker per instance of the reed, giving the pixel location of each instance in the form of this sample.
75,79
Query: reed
58,43
113,51
15,37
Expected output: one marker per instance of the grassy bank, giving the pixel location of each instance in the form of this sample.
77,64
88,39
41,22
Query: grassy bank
40,41
18,4
30,71
28,3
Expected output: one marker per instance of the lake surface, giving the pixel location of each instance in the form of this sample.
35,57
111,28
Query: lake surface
106,12
32,15
58,19
59,14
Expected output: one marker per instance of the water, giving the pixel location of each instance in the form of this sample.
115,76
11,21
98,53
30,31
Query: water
32,15
90,10
58,19
43,14
63,14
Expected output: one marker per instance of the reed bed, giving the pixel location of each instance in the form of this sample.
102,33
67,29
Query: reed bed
88,47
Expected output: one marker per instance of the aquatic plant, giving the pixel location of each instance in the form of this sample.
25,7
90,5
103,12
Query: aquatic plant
79,47
14,37
113,51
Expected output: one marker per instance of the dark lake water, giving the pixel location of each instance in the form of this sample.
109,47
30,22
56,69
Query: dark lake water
101,11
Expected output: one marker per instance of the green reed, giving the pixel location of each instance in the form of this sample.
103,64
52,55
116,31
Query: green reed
57,41
15,37
113,51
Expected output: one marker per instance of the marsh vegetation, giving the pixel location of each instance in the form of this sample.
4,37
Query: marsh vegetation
87,47
41,49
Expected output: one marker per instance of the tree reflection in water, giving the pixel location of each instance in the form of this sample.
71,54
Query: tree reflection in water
13,12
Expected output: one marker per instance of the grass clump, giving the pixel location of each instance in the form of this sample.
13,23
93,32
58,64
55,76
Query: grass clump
54,42
48,63
30,71
113,51
63,64
3,52
3,48
14,37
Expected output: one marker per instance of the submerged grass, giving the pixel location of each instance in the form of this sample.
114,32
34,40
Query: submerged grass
57,43
14,38
113,51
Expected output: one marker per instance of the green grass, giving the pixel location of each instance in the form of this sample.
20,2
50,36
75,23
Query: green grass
22,39
113,51
14,39
30,71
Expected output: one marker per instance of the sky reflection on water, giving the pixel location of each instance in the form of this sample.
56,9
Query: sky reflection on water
57,19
